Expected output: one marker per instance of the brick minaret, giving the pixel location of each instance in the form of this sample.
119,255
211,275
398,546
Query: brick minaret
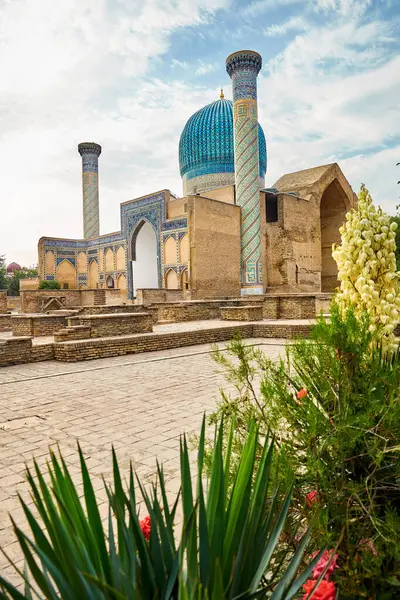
243,68
90,153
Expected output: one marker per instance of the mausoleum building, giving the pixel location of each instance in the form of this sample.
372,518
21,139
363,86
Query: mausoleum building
228,235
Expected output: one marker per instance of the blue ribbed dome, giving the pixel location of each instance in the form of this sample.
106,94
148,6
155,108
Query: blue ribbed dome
206,144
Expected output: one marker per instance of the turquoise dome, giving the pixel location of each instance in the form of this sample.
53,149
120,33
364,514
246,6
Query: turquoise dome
206,144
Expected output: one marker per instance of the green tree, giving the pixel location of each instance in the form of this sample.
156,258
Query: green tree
3,273
14,282
49,285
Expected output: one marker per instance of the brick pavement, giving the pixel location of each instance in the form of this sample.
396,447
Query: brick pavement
139,403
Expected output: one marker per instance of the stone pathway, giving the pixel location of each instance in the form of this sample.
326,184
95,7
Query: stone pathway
140,403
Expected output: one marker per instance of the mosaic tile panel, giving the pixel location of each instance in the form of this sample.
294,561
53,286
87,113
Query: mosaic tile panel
243,68
90,153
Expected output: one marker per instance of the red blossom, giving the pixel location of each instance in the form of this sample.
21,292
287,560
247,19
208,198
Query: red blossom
325,590
145,526
301,394
312,497
323,561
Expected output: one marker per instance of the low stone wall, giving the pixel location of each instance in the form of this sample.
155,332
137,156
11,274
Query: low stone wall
19,350
3,302
157,296
117,346
323,303
103,309
119,324
5,323
242,313
37,325
281,331
178,312
37,301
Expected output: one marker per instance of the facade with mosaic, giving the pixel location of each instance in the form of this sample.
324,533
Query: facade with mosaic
229,234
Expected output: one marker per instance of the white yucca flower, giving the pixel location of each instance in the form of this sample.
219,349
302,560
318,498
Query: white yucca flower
367,267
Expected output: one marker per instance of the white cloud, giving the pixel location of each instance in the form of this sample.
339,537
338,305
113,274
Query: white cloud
259,7
66,69
293,24
205,68
331,94
182,64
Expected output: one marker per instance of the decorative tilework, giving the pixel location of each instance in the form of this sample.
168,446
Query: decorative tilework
90,153
207,146
62,258
153,210
243,68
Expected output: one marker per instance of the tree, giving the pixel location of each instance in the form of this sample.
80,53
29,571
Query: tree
49,285
3,273
14,285
367,267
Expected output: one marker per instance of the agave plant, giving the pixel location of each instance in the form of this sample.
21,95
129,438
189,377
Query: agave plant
228,548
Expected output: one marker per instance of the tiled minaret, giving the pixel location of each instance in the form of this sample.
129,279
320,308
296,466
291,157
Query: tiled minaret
243,68
90,153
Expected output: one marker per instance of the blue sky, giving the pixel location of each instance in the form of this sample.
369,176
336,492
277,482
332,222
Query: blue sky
128,74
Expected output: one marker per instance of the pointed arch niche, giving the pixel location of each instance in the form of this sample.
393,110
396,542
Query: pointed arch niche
171,280
144,254
93,275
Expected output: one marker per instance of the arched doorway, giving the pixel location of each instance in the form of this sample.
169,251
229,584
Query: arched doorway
333,211
110,282
144,257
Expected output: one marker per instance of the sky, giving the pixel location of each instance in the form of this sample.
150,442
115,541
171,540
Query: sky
127,74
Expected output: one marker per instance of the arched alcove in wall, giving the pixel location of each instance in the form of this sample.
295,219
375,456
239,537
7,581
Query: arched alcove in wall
93,274
184,250
66,275
170,251
109,261
82,262
121,282
171,280
110,282
185,279
144,257
333,212
120,259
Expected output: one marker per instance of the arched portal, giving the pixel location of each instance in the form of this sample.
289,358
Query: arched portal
144,257
333,212
110,282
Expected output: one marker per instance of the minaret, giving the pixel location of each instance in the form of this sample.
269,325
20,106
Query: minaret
90,153
243,68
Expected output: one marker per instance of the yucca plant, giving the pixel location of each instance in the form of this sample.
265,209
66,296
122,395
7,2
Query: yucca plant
228,547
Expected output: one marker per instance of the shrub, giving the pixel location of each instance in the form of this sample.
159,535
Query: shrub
49,285
334,406
227,549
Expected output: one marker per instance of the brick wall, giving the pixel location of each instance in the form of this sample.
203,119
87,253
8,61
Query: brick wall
242,313
35,301
115,325
154,296
188,311
117,346
274,330
3,302
15,351
5,323
38,325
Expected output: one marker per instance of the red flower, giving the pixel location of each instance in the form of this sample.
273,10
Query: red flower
323,561
311,497
301,394
145,526
324,591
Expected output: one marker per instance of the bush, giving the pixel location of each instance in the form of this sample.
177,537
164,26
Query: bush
333,405
49,285
227,548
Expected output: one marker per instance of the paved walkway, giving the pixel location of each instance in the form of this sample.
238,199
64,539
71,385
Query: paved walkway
139,403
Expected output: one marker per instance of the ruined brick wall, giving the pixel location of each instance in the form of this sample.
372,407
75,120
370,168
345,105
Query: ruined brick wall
101,348
189,311
296,307
114,325
153,296
38,325
3,302
77,332
15,351
242,313
35,301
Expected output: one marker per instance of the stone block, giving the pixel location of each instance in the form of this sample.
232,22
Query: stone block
116,324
